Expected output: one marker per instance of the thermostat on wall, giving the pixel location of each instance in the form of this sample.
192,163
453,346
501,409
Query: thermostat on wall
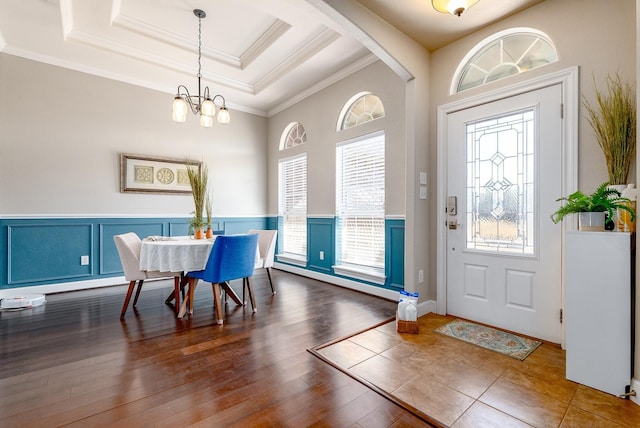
25,301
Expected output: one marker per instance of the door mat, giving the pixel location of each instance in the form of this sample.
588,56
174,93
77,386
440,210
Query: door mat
489,338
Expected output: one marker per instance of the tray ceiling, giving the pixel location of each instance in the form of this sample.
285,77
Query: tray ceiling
261,55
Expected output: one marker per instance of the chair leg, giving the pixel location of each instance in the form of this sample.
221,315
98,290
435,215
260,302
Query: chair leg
183,283
217,302
135,300
176,293
270,281
126,299
244,287
251,294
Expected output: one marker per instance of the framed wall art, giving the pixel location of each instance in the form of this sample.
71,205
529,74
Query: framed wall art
145,174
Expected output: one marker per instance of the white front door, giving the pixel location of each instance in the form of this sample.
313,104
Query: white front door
504,174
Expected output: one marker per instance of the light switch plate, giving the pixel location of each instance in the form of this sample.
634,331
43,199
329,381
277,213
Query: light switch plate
84,260
423,192
423,178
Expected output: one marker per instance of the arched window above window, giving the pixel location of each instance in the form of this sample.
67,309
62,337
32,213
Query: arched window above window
361,108
294,134
501,55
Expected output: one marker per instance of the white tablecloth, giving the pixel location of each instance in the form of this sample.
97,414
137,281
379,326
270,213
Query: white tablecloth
175,255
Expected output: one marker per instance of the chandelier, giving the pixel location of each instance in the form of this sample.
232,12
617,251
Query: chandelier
454,7
202,104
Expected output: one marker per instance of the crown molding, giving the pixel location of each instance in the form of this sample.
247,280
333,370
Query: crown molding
158,34
156,60
262,43
311,47
347,71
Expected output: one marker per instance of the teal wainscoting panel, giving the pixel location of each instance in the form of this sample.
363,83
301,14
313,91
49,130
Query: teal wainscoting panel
233,226
178,228
45,252
272,223
394,254
109,259
320,238
48,251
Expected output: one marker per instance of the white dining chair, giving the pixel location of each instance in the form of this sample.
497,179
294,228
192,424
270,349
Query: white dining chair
128,245
267,247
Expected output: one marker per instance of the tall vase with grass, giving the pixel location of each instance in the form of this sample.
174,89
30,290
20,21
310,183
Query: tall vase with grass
208,210
613,119
198,177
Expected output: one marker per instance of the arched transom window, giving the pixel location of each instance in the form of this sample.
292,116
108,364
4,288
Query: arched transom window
294,134
504,54
361,108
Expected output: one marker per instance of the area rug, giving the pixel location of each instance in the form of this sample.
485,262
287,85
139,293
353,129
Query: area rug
489,338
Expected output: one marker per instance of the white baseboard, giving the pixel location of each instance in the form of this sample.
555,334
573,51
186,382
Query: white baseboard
423,308
426,307
60,288
635,386
343,282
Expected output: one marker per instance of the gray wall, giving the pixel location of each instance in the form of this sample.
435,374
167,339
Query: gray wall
61,133
319,115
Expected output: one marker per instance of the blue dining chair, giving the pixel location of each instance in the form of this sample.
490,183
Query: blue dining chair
232,257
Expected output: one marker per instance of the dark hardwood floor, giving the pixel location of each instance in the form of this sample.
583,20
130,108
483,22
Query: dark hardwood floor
72,362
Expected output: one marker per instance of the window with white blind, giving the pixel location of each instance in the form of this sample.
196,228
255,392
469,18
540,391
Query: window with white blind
360,203
292,208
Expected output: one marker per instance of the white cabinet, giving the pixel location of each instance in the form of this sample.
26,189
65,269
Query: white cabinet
598,309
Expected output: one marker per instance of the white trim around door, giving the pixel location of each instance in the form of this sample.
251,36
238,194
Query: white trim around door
569,81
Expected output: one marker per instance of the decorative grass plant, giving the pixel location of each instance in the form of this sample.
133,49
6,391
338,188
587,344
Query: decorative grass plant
613,119
198,178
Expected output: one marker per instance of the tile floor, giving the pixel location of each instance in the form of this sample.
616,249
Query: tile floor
462,385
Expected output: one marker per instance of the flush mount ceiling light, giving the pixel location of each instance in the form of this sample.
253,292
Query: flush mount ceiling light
202,103
454,7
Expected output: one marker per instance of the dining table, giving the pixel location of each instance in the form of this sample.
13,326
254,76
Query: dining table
180,254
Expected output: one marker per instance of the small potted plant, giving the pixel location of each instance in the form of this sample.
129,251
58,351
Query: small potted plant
198,177
593,208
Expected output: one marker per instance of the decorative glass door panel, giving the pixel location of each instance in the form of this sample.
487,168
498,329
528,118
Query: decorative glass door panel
504,174
500,184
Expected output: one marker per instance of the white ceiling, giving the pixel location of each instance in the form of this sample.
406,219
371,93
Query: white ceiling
261,55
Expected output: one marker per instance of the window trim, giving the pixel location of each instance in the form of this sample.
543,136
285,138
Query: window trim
293,258
285,135
366,273
455,81
346,109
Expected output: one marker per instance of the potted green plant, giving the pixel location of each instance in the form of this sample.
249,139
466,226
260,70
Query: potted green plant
198,177
605,201
613,119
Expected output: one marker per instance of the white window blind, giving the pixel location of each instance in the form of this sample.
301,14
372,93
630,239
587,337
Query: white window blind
292,205
360,199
